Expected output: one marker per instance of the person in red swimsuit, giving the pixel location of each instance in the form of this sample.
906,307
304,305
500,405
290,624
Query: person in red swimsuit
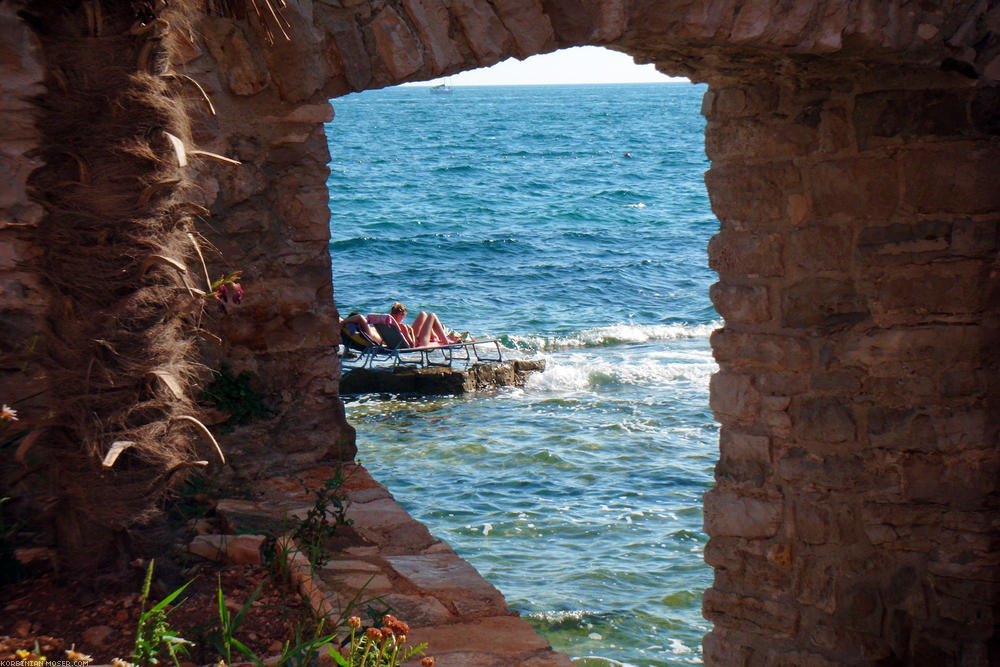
426,330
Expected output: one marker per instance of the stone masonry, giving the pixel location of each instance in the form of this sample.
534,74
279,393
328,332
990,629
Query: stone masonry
854,152
854,518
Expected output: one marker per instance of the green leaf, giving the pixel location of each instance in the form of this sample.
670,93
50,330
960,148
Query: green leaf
147,581
339,659
416,650
238,620
177,641
247,653
223,612
170,598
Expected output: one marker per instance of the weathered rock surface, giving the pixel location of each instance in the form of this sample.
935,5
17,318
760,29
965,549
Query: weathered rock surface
849,321
22,298
435,381
233,548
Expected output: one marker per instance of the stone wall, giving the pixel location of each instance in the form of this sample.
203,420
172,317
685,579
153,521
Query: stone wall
854,150
270,214
269,219
23,301
853,519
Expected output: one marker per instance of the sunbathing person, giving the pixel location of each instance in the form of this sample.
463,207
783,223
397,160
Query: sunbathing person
358,322
426,330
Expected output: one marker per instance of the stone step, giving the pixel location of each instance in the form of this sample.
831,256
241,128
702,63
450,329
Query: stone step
391,564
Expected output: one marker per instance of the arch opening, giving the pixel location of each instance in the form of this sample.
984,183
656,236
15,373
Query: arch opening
496,207
852,171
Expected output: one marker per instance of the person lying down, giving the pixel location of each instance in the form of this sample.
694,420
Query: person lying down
426,330
355,324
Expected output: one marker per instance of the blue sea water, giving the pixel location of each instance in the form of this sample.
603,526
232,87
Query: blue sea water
572,223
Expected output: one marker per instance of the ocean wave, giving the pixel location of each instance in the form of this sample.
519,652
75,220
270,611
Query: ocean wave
615,334
574,618
682,599
598,661
349,244
615,194
455,169
578,375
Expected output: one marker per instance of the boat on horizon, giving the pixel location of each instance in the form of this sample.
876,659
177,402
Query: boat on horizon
441,89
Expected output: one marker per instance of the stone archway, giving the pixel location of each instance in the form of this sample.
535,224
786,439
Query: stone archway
853,152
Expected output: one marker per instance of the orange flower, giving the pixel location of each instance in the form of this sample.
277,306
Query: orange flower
427,662
397,626
354,622
374,634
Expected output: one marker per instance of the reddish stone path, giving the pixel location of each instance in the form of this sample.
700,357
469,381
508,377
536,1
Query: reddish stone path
462,617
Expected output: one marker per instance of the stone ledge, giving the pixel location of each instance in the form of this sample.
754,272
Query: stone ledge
462,617
438,381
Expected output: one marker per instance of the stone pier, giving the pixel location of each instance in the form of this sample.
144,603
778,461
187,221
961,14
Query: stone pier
439,381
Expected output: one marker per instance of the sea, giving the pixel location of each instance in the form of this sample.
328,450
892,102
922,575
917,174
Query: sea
571,223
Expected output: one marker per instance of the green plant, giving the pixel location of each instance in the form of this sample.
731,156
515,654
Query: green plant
367,607
275,555
375,615
330,504
223,638
379,647
32,657
154,636
305,651
234,395
194,498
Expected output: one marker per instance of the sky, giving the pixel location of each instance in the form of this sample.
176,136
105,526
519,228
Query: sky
579,64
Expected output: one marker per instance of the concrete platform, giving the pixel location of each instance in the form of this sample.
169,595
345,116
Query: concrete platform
438,381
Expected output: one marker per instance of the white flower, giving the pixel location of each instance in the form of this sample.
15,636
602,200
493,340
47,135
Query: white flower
75,656
8,414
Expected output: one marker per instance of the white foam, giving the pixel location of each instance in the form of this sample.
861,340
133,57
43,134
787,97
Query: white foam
678,647
559,378
558,616
582,372
615,334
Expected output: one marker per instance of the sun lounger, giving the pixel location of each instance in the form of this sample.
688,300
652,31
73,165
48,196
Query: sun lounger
395,349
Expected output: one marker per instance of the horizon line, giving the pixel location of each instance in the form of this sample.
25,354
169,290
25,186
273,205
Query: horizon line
431,84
